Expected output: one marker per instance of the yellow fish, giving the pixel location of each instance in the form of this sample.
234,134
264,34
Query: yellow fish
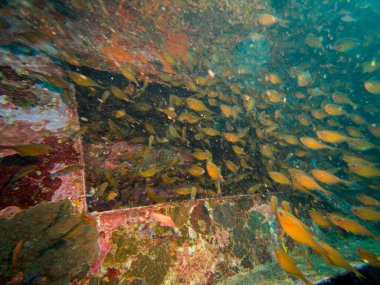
334,110
129,74
34,149
319,219
82,80
350,225
309,183
195,171
213,171
368,257
367,200
297,230
287,263
332,136
231,137
372,86
267,20
338,260
367,214
328,178
312,143
279,178
231,166
364,170
197,105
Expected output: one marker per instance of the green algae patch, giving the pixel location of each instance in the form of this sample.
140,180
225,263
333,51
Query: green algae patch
137,259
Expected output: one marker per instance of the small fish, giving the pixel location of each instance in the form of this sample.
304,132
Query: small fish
195,171
361,144
328,178
165,221
148,172
345,44
119,94
202,155
338,260
210,131
368,257
367,200
267,20
82,79
34,149
364,170
16,251
67,170
319,219
332,136
313,144
372,86
23,172
313,41
197,105
233,138
367,214
129,74
297,230
231,166
350,225
292,140
213,171
287,263
334,110
279,178
309,183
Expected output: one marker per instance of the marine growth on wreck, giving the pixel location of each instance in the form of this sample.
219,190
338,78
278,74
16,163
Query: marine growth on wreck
189,142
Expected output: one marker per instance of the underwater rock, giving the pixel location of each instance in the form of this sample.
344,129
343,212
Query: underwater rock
49,242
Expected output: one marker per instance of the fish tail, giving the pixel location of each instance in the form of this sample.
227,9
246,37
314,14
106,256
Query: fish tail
359,275
376,237
307,282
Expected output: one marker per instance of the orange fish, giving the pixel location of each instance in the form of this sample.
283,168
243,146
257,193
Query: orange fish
165,221
312,143
338,260
334,110
327,178
367,200
16,251
319,219
332,136
368,257
279,178
197,105
364,170
309,183
231,137
350,225
365,213
297,230
287,263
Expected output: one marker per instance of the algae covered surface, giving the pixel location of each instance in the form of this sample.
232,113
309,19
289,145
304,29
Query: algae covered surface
57,246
